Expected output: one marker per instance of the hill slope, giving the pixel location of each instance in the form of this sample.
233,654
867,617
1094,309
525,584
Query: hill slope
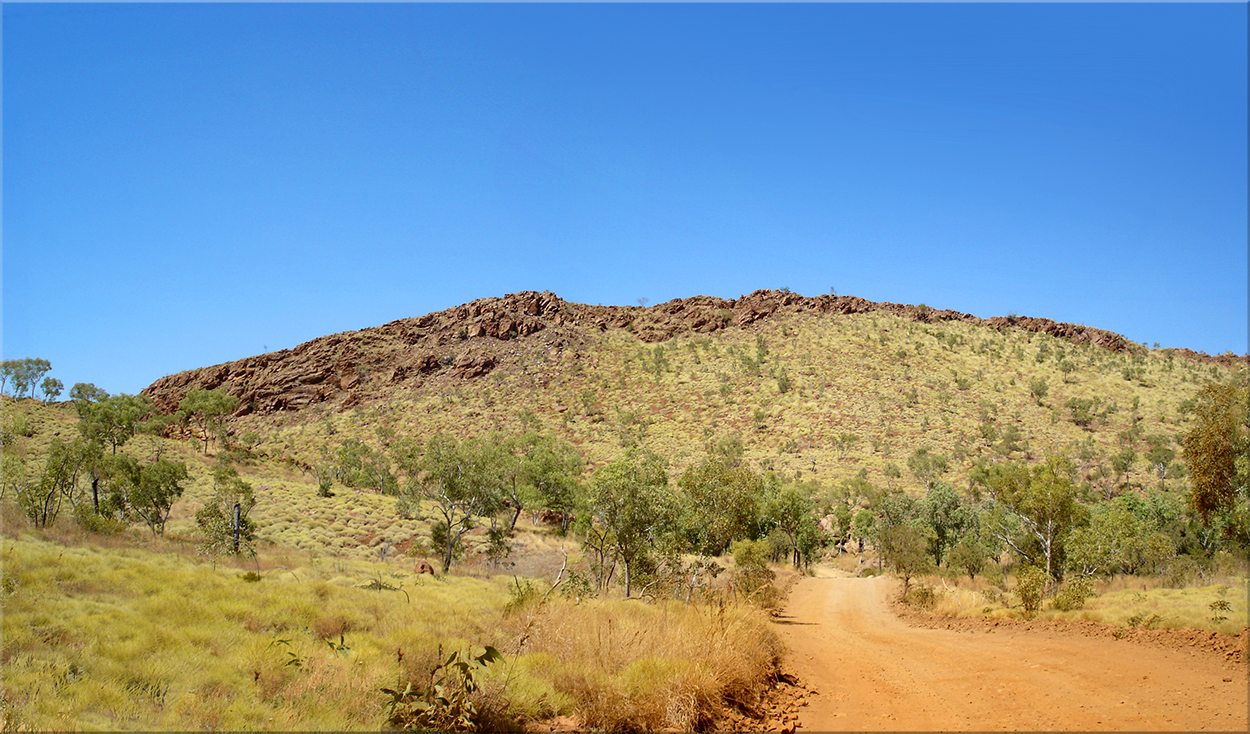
833,385
468,341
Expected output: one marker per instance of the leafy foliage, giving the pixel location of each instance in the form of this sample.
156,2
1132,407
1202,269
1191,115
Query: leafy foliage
445,702
1031,583
630,499
207,410
1217,450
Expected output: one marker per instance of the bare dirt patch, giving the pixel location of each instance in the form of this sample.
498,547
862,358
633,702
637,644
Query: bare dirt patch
873,671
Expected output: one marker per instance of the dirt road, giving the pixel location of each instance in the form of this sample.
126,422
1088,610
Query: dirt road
873,672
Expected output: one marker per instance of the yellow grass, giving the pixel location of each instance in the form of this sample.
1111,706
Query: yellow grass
634,666
106,636
1135,601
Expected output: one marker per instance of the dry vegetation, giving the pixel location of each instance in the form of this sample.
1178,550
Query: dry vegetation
104,633
133,632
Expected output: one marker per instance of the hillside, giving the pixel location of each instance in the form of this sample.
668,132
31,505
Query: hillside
815,392
830,385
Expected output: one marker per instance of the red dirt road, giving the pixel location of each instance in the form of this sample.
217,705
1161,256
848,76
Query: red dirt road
873,672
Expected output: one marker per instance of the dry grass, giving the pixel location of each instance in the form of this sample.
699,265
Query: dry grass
625,665
102,634
102,637
1131,601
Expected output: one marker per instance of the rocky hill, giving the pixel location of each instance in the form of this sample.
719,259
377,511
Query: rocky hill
469,341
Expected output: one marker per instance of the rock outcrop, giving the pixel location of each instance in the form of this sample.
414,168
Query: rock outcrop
468,341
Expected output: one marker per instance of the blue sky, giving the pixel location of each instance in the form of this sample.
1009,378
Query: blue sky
189,184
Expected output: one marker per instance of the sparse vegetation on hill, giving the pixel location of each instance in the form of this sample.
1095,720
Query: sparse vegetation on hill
553,459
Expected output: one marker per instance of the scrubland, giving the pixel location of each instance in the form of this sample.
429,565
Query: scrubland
127,630
103,633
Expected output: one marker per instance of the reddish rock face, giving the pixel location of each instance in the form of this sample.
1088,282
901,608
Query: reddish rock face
468,342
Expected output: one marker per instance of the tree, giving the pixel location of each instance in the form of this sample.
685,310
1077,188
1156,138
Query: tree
947,517
1038,389
1217,450
722,504
113,420
1160,457
968,555
863,526
843,443
152,497
892,474
51,388
358,465
1083,410
904,549
86,392
207,409
24,374
1122,463
790,519
459,478
1102,546
550,469
926,467
57,484
1043,498
224,519
630,499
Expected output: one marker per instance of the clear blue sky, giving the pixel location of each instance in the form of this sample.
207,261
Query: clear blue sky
189,184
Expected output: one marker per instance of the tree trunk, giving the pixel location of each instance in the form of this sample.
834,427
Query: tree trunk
235,528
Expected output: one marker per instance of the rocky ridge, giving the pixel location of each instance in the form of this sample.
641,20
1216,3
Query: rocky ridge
470,340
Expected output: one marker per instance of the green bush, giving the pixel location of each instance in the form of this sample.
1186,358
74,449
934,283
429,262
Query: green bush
1030,587
445,702
94,523
19,425
1074,594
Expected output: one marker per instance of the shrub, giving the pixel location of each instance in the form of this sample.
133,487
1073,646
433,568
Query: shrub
94,523
1074,594
444,703
1030,586
923,597
754,578
1038,389
1082,410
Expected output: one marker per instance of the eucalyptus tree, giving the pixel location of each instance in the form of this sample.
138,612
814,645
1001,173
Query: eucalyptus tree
224,520
1043,499
462,480
547,473
24,374
42,500
51,388
631,500
947,516
207,410
1217,451
113,419
154,491
722,503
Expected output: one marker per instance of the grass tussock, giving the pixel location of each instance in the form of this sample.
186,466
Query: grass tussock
1138,602
99,638
624,665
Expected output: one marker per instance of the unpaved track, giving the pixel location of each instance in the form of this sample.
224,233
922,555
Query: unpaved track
872,672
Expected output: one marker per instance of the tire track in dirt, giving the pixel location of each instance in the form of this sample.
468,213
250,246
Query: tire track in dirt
873,672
